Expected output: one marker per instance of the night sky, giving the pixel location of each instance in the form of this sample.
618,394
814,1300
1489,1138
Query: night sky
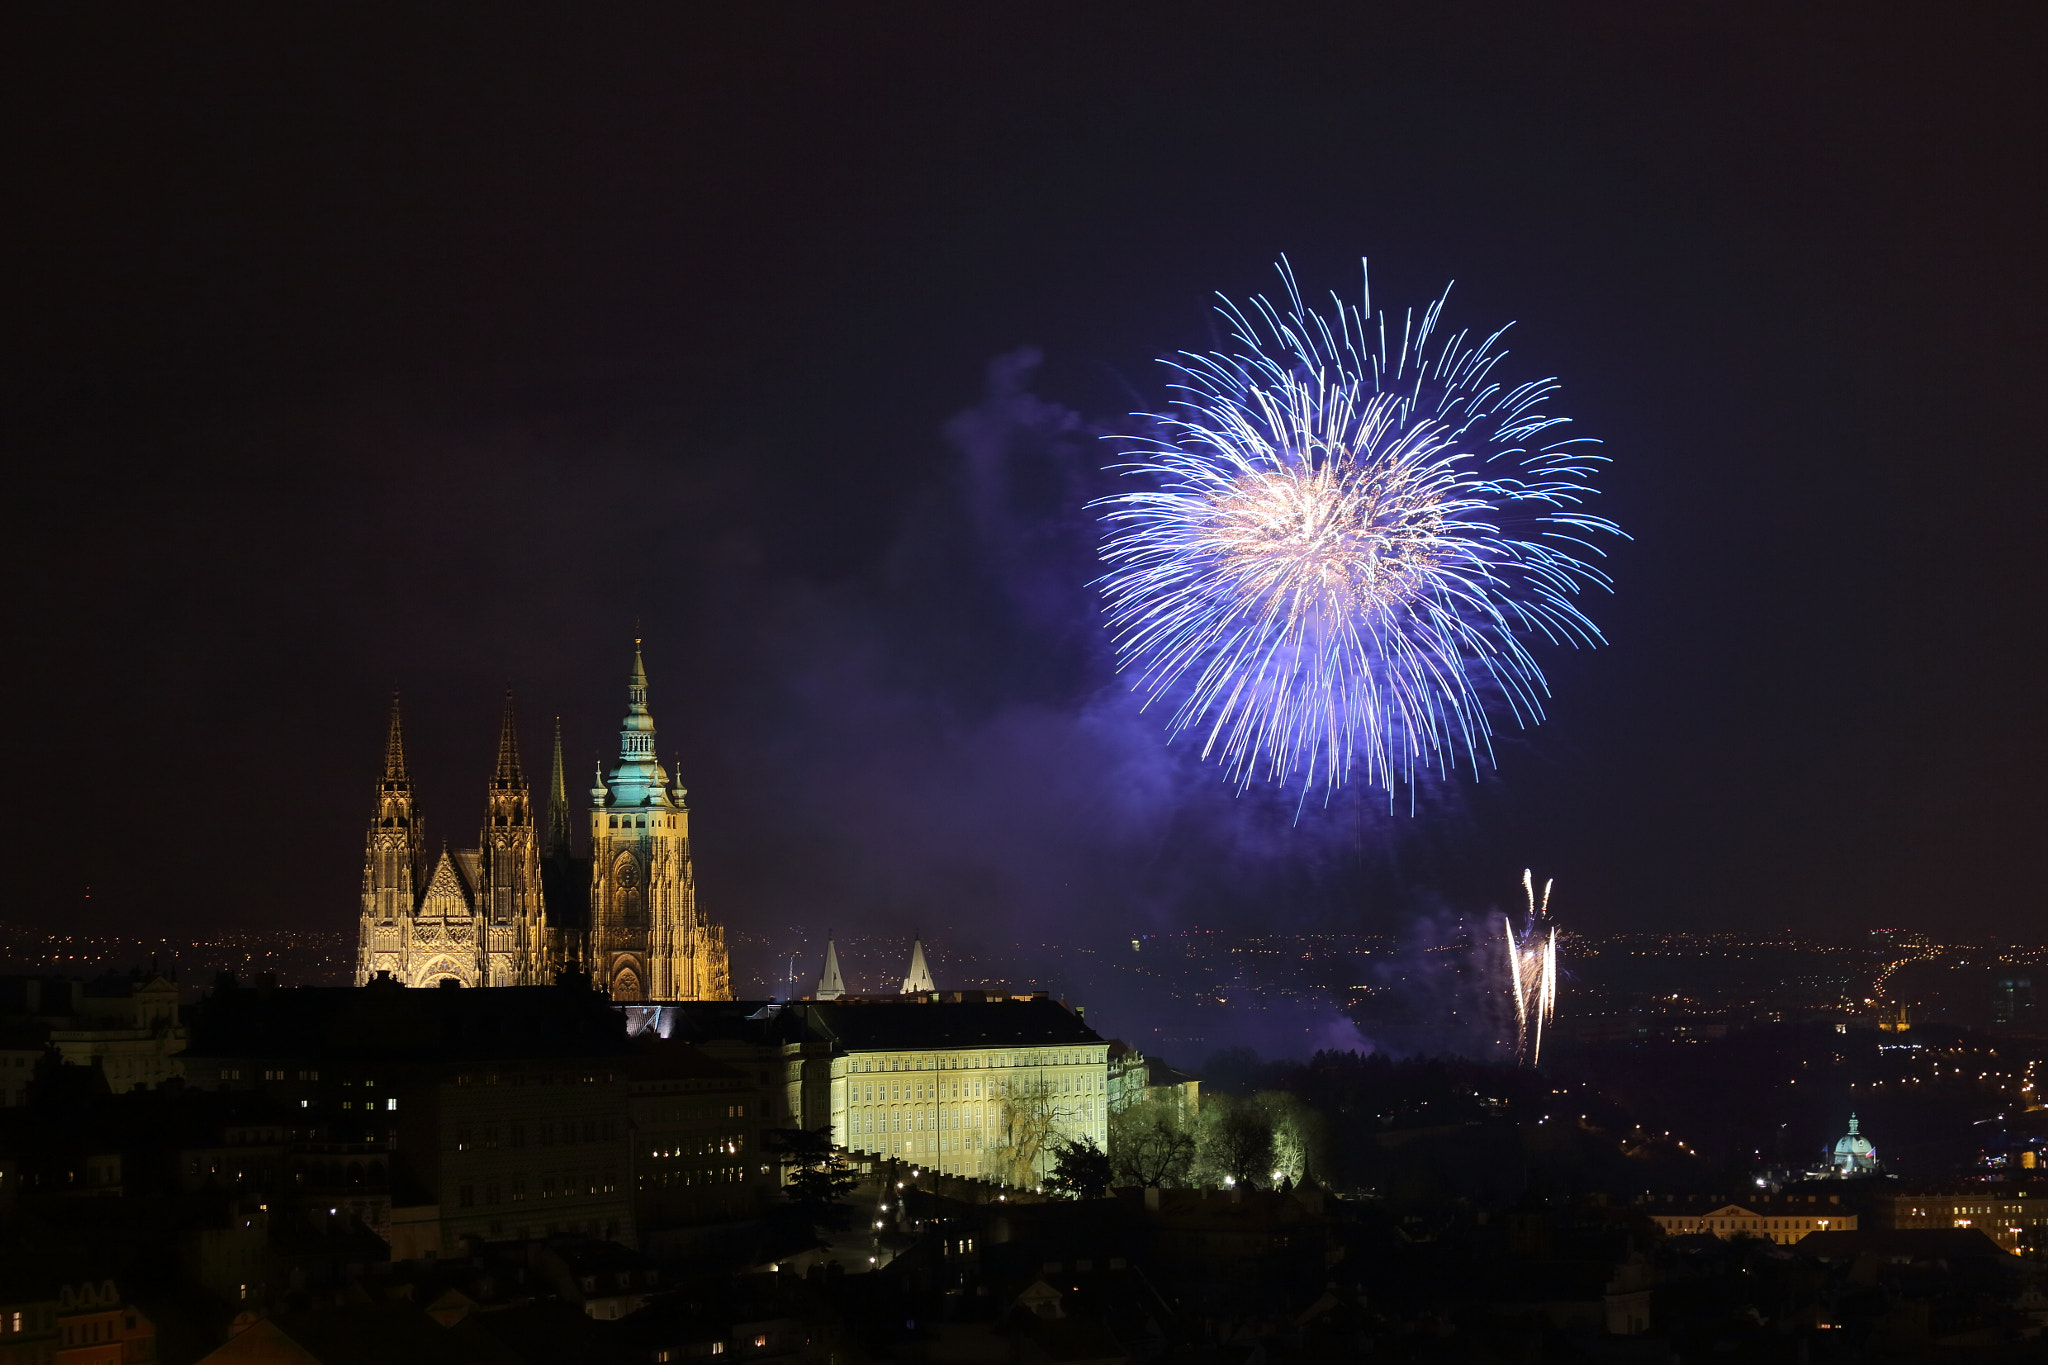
436,347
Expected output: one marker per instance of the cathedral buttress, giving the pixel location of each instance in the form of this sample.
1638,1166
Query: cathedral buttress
391,865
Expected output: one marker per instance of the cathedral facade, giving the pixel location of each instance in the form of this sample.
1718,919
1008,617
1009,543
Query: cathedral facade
521,907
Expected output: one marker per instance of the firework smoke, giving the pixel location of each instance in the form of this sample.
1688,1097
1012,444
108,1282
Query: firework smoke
1353,533
1532,972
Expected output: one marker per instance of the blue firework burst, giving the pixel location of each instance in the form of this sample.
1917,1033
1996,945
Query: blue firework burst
1352,533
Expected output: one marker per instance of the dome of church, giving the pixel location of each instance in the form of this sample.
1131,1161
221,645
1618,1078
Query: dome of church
1854,1143
1853,1153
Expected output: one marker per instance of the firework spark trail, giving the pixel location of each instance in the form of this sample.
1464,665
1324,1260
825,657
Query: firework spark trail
1532,972
1352,531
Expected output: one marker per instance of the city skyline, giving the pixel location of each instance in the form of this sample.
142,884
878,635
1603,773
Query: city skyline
382,377
1332,682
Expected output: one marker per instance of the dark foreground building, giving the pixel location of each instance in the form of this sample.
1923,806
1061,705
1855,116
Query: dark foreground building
470,1115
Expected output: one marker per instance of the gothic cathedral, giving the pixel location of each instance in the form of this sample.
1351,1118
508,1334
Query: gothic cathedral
517,911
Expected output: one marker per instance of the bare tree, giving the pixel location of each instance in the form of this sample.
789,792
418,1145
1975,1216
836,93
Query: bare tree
1301,1136
1150,1144
1030,1116
1237,1140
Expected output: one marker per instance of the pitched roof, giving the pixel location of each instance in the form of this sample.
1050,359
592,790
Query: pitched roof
918,976
1908,1244
1762,1206
883,1024
1003,1023
446,892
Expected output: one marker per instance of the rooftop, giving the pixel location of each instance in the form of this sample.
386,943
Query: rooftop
889,1023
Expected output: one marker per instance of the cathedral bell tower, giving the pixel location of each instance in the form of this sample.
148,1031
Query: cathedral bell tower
648,940
508,873
391,865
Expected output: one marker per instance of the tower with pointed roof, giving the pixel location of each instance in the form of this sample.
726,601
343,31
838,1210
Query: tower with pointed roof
558,803
917,977
831,985
648,939
391,862
565,877
508,873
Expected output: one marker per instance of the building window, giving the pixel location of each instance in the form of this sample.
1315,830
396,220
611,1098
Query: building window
466,1197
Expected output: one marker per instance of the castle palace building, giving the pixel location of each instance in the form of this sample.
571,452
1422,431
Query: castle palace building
519,909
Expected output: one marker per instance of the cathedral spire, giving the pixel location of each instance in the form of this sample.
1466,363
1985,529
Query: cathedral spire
637,780
508,773
831,985
918,979
394,752
558,803
636,735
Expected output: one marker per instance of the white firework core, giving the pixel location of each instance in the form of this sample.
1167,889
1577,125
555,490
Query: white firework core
1351,533
1532,973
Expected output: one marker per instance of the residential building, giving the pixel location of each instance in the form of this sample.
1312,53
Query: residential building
695,1139
123,1026
441,1117
28,1316
2004,1213
96,1326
